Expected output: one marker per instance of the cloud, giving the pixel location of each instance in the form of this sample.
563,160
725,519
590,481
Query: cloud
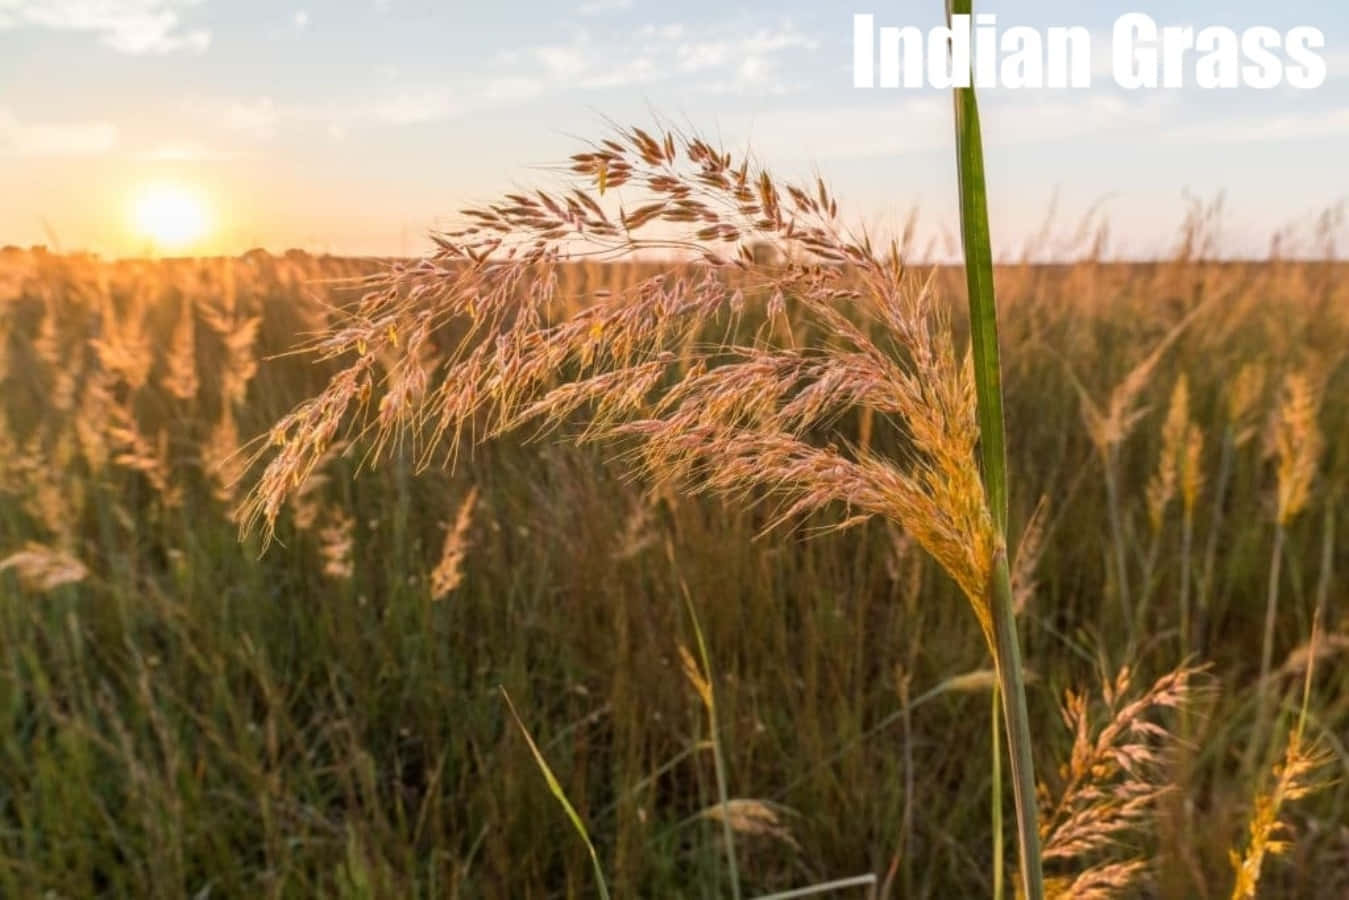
754,75
258,118
411,108
723,61
740,64
512,90
1033,120
562,62
262,118
55,138
127,26
923,123
671,32
1278,127
736,53
748,65
599,7
632,71
1337,64
728,62
184,152
426,105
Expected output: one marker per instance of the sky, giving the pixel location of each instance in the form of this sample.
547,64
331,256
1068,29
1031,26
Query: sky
355,127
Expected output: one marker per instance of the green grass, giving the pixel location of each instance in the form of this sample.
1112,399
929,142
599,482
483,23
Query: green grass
978,249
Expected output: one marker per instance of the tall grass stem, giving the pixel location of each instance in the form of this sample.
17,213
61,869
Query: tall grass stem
718,757
999,852
1117,536
978,248
1263,686
1206,585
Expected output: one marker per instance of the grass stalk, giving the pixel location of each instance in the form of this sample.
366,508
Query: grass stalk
999,852
1186,551
978,247
1117,537
1215,528
1327,563
708,692
555,788
978,250
907,836
1263,686
1149,582
823,888
1012,687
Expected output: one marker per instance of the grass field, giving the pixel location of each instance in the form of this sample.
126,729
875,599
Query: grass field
187,715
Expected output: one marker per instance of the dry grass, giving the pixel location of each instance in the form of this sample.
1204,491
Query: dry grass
1104,808
182,711
1299,773
749,421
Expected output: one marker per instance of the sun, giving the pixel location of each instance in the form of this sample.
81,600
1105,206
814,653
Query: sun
173,216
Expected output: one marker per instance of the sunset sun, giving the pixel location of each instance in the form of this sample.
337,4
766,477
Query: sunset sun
173,216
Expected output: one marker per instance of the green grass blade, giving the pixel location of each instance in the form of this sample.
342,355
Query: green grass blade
977,243
827,887
995,726
978,246
556,788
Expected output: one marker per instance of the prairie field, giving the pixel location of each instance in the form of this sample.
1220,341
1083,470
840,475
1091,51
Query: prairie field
309,704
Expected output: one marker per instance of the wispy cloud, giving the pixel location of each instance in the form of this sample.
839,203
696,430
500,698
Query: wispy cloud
410,108
717,58
127,26
1274,127
921,123
712,59
599,7
425,105
1337,64
188,151
512,89
564,62
755,75
257,118
55,138
724,63
262,118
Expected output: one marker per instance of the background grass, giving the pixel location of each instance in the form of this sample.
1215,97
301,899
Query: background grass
198,718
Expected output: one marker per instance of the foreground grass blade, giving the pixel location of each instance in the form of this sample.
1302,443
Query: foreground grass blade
825,888
999,854
978,247
708,692
556,789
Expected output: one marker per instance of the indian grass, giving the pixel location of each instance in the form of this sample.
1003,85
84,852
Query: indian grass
1109,787
1297,447
736,421
1299,773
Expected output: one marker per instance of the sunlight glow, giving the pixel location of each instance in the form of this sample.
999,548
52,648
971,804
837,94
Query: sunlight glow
171,215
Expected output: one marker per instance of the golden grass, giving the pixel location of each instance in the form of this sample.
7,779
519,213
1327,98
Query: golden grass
132,392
